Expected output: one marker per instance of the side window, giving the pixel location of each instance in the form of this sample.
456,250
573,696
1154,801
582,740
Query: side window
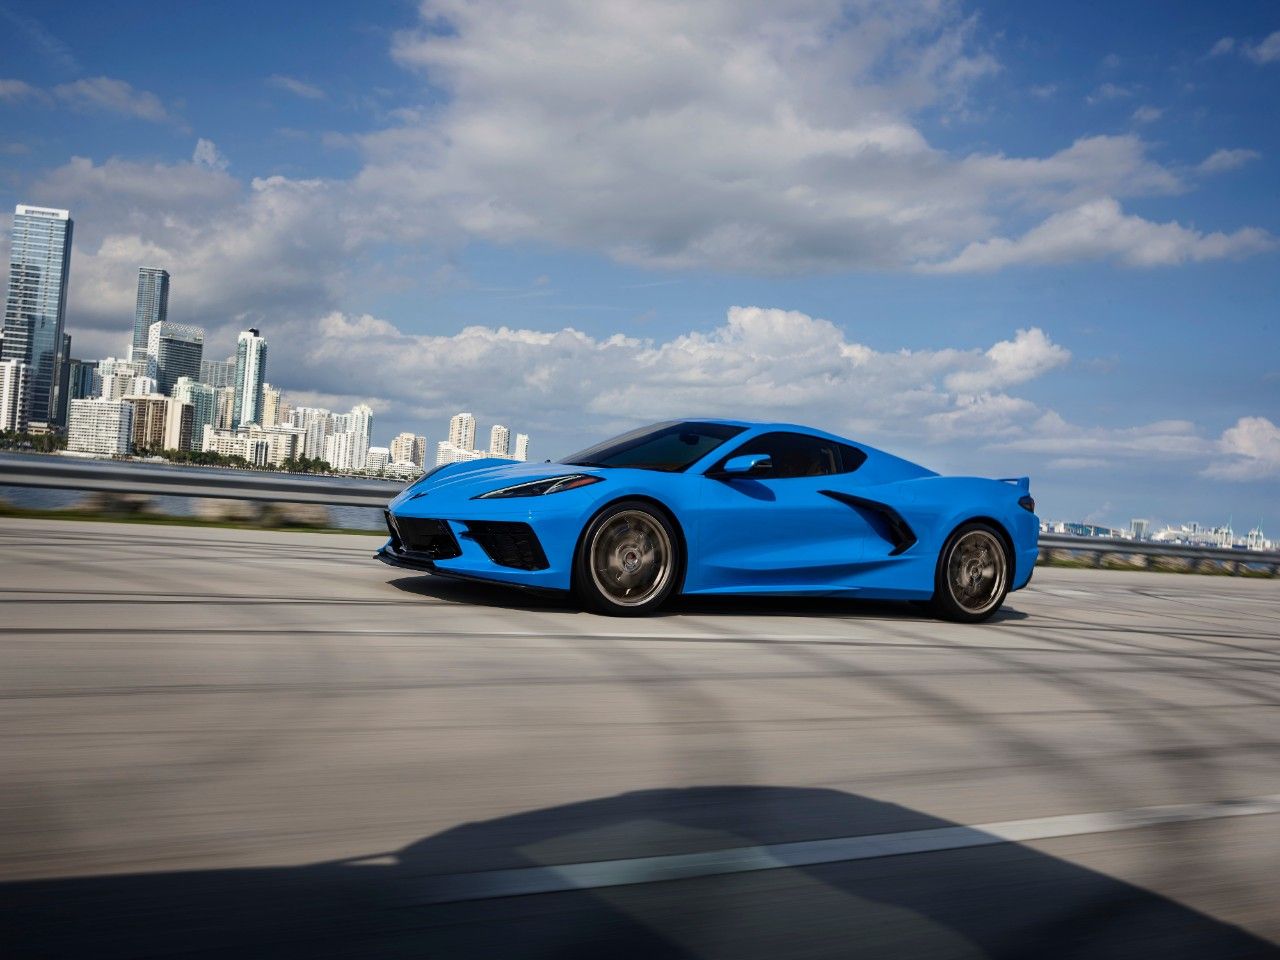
799,455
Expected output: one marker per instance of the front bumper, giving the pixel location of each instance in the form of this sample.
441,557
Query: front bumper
498,542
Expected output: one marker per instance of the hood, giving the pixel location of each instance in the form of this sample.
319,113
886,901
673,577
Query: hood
466,480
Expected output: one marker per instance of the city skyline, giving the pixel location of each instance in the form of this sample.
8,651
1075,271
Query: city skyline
995,253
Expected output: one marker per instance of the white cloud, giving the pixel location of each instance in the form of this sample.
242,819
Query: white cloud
1252,449
725,135
15,91
1028,355
299,88
1100,230
773,363
1147,114
1108,91
112,96
1267,51
1221,161
207,155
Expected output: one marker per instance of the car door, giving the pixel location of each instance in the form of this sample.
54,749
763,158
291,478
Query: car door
773,529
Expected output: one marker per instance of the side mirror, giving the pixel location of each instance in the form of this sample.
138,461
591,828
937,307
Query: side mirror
743,465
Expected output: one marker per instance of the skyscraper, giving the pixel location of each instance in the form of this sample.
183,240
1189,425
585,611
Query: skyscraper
152,306
499,441
176,350
202,398
462,431
251,368
36,306
84,379
218,373
522,447
270,406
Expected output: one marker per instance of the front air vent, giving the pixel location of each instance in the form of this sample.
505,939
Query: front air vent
509,544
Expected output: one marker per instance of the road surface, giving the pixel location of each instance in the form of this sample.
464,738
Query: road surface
226,743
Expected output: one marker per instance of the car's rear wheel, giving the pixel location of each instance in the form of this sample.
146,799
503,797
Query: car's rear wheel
972,579
628,560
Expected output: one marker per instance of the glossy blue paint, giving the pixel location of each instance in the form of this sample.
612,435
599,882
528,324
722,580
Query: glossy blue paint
832,535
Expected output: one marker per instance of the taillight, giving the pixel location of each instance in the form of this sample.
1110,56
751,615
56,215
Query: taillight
1028,503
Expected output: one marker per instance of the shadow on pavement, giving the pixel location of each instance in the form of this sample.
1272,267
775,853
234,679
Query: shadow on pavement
997,901
515,598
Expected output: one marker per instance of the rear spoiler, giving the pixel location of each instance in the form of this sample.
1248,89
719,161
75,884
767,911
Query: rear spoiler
1022,483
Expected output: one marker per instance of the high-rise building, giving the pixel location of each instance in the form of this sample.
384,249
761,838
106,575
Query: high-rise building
83,380
376,460
270,406
251,368
218,373
408,448
317,424
224,404
462,431
36,306
522,447
176,350
1139,528
14,394
499,441
64,382
100,426
361,425
149,414
152,306
204,407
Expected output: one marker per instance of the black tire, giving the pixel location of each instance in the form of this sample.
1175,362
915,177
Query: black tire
628,560
973,573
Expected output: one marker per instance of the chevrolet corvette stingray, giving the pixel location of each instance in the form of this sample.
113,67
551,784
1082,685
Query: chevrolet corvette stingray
717,507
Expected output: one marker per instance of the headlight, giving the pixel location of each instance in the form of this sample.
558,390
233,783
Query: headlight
539,488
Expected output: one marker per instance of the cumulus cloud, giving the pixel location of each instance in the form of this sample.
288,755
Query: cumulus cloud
1251,449
1100,230
730,135
1028,355
1220,161
299,88
112,96
1147,114
776,363
207,155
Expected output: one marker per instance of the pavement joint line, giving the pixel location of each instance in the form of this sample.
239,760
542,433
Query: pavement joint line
528,881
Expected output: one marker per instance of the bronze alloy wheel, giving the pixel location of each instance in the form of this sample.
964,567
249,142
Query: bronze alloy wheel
631,558
973,574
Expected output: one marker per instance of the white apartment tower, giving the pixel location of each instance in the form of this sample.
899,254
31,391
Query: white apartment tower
462,431
522,447
499,441
15,394
100,426
409,448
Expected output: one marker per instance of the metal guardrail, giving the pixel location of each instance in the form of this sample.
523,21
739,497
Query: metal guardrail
1098,549
106,476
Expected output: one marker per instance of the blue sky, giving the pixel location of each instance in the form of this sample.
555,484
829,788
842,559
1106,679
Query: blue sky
999,238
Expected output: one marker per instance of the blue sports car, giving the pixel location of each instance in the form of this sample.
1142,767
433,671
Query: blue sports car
714,507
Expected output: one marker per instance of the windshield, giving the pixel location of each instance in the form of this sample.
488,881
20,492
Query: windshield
670,446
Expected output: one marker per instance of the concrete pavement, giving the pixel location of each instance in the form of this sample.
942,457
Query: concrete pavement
220,742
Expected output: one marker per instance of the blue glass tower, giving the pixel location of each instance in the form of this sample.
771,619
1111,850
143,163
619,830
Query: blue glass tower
36,306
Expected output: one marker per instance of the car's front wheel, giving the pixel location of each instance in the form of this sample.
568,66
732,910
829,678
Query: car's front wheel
973,574
628,560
